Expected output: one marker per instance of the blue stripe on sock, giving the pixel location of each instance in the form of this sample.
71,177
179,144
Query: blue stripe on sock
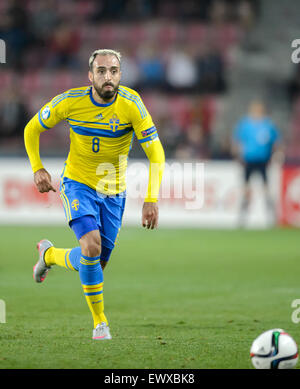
90,259
93,293
66,262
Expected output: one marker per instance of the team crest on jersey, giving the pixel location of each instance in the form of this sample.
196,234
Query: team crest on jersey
46,112
99,117
75,204
114,122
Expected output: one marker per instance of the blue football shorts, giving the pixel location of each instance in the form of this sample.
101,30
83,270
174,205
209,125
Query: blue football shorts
86,210
253,167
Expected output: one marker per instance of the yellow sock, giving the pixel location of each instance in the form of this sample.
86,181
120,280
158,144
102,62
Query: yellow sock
60,257
94,298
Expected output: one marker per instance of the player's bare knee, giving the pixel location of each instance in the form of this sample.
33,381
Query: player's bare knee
91,246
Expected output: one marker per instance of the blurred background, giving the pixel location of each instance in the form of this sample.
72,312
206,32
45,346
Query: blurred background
197,64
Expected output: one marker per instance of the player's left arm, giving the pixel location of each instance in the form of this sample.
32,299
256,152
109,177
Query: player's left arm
156,156
147,135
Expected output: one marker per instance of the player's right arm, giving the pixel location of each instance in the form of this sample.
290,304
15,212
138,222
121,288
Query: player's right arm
47,117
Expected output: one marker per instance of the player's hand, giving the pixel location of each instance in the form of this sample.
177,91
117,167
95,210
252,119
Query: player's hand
150,215
42,180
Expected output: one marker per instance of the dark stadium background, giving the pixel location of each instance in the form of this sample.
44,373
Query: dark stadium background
49,43
197,65
206,292
229,49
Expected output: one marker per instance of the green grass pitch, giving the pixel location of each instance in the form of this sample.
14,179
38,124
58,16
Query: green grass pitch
174,299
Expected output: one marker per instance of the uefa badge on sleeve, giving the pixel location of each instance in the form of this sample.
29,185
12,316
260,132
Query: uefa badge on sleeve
46,112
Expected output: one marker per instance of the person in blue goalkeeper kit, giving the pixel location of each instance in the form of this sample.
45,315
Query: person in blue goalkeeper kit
103,119
255,140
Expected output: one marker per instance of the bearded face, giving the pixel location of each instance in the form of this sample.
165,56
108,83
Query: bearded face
105,76
107,91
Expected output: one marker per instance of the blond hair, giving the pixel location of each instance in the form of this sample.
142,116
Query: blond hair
103,52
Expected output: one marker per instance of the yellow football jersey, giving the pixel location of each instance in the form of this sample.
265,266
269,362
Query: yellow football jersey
101,134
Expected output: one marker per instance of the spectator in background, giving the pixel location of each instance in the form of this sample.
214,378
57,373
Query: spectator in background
15,31
151,67
246,18
161,53
13,115
221,150
124,10
107,10
245,15
43,23
218,12
44,20
255,139
139,9
201,112
171,134
193,144
64,47
210,69
168,9
130,71
190,9
181,70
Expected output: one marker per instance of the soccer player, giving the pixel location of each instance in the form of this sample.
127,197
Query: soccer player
103,119
255,140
